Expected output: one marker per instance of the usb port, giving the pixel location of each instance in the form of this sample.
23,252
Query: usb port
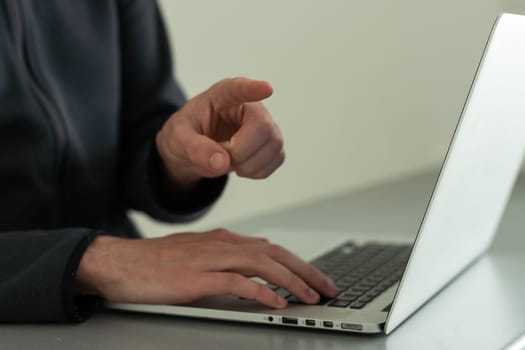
352,326
289,320
310,322
328,324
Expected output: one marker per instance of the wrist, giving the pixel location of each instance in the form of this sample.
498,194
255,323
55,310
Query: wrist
94,268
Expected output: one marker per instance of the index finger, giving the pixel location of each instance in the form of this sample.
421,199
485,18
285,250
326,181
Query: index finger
236,91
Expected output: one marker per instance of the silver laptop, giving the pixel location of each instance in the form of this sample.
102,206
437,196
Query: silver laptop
383,284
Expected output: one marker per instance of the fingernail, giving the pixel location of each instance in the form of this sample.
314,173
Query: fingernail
281,301
216,161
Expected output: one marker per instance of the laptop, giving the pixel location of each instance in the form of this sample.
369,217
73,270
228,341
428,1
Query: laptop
382,284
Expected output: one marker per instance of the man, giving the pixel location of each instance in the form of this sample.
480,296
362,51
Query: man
93,124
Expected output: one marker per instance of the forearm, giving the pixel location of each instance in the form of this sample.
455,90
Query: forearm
37,275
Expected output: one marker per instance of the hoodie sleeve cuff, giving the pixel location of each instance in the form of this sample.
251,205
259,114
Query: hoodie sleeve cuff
78,308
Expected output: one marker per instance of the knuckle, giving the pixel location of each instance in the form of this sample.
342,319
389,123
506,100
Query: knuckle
238,153
269,171
277,152
267,127
261,176
262,240
259,259
278,143
281,157
244,170
215,243
205,248
217,231
222,234
277,137
234,80
199,254
277,251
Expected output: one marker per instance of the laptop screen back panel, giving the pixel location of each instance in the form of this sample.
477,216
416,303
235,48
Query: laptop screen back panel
477,176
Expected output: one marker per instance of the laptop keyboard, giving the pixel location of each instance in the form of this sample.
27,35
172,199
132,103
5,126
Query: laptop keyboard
360,272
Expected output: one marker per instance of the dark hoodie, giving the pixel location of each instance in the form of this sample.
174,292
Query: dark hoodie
84,87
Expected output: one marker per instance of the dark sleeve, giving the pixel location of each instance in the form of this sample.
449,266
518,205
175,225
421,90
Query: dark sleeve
149,96
37,275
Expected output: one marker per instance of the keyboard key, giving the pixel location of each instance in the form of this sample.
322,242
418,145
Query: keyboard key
349,280
374,278
357,290
366,284
342,285
375,292
366,298
294,300
339,303
357,305
348,297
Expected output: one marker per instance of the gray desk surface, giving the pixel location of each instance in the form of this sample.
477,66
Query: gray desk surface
483,308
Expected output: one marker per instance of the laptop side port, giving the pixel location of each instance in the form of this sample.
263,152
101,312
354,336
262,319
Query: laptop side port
309,322
352,326
328,324
289,320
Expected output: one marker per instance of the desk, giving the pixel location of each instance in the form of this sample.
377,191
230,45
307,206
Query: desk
483,309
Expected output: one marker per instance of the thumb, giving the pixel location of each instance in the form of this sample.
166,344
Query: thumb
208,157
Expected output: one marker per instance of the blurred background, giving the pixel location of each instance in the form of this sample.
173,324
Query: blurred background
365,91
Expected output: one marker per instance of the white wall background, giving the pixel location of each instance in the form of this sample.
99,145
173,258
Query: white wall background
365,91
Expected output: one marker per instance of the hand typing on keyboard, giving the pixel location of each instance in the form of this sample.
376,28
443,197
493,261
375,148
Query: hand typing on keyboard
360,272
181,268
